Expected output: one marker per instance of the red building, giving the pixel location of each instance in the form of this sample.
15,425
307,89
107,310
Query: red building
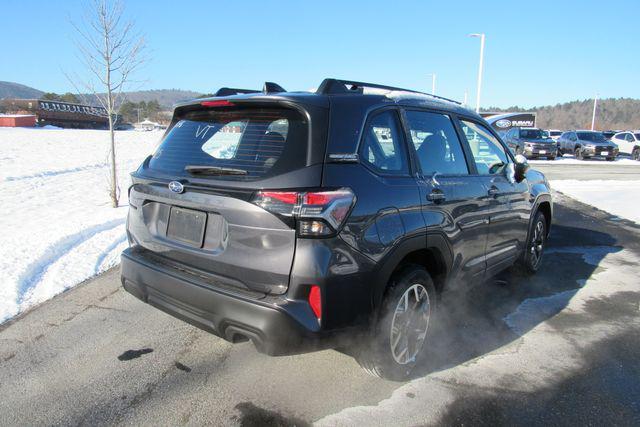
17,120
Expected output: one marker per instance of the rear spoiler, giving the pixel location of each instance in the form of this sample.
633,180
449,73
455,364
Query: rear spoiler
269,87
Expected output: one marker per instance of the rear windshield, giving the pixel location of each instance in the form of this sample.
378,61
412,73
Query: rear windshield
591,136
555,133
236,144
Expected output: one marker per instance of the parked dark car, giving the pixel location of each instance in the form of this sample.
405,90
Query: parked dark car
303,221
586,144
531,142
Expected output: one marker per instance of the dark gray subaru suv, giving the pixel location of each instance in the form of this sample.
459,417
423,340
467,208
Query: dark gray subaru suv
301,220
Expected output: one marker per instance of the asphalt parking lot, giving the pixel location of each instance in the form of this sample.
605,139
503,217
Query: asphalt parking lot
560,348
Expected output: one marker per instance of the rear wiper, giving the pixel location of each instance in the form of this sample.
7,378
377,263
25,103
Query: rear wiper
214,170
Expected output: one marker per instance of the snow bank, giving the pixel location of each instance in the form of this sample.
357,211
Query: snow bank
570,160
619,198
58,226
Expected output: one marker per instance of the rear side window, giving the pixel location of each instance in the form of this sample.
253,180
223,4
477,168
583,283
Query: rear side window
233,144
437,145
382,145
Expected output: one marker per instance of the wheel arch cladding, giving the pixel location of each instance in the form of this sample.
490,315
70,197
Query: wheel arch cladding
545,208
435,256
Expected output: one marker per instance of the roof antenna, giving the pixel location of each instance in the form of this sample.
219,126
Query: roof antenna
270,87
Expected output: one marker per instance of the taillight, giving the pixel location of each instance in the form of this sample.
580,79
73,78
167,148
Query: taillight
317,213
315,301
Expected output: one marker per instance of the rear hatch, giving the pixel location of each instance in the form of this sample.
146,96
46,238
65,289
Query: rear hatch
192,202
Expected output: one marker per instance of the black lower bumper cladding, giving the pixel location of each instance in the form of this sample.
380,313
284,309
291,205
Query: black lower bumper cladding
271,326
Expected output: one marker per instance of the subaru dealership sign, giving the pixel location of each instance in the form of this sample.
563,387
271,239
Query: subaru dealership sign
504,121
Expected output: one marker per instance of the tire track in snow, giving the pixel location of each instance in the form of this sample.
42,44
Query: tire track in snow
45,174
34,272
107,252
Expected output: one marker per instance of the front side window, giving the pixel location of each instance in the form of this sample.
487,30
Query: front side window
382,145
488,154
436,142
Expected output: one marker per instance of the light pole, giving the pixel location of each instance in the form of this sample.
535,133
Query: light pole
433,83
481,35
593,117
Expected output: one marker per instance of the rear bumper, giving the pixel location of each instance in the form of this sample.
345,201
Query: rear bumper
276,325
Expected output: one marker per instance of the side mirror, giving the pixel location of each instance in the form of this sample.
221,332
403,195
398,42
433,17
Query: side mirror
520,168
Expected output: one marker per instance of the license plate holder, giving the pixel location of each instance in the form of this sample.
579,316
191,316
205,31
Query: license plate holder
605,153
187,226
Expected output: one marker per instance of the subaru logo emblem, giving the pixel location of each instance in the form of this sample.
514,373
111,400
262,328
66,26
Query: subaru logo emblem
503,123
176,187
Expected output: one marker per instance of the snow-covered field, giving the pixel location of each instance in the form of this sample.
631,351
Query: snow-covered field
58,228
620,198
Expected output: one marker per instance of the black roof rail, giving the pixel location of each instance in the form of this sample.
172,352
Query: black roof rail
336,86
229,91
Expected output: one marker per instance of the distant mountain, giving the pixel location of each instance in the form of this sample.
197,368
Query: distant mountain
16,90
612,113
166,97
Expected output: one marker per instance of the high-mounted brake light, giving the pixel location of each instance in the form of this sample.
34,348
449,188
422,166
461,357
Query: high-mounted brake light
315,301
221,103
317,213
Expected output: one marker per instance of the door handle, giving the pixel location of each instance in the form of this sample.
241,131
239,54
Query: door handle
436,196
493,191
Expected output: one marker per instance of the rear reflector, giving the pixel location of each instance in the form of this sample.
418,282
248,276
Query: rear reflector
315,301
221,103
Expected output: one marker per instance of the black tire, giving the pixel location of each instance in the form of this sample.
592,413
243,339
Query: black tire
551,158
379,357
578,154
529,261
635,154
610,159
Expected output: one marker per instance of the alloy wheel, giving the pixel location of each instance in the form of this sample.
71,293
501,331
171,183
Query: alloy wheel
410,324
536,245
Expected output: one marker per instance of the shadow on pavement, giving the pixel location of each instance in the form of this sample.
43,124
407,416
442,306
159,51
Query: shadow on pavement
604,393
471,322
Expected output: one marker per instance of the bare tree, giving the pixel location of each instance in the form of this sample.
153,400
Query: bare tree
111,51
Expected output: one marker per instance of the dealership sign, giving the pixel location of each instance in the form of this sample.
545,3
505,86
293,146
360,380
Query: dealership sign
72,108
506,121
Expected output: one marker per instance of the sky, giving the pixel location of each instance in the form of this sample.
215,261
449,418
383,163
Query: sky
537,52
